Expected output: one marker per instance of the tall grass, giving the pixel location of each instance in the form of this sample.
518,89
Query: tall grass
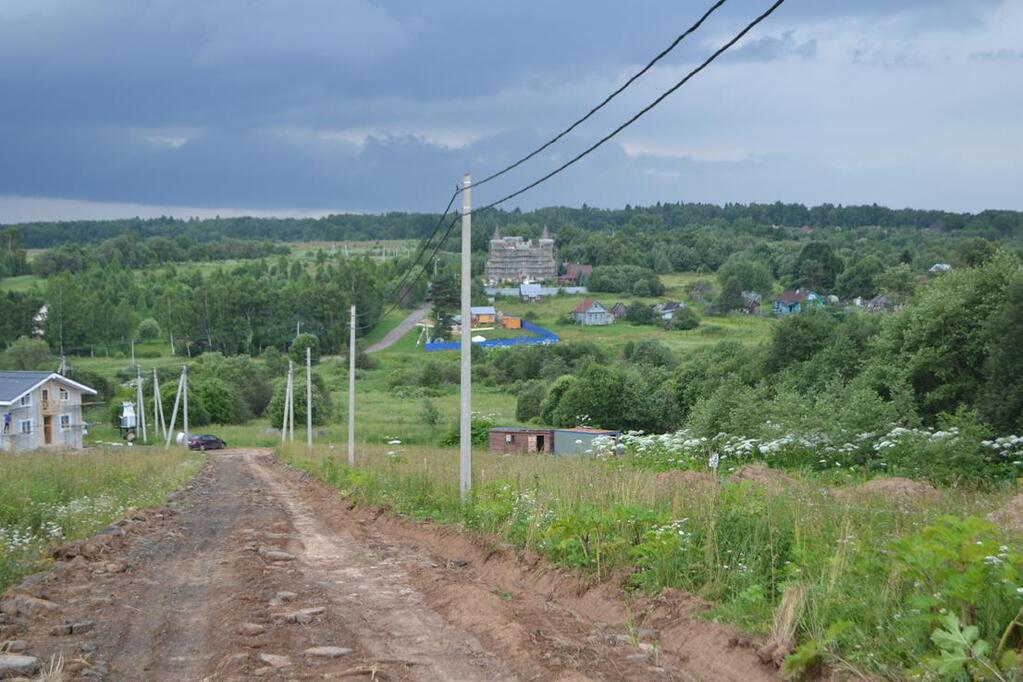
47,497
873,583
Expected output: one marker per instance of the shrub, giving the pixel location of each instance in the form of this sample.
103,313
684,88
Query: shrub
481,425
529,401
299,346
26,354
683,320
322,407
429,413
148,330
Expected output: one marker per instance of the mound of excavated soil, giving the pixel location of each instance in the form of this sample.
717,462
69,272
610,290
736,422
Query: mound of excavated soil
772,480
1010,517
893,489
700,483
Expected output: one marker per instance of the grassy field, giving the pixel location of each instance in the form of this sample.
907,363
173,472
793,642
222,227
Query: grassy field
51,497
21,283
865,579
386,410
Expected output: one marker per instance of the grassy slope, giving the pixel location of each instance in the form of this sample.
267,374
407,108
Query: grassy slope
54,497
738,546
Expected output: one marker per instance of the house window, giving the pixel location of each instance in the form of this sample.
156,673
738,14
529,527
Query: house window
508,438
26,400
26,426
65,422
64,395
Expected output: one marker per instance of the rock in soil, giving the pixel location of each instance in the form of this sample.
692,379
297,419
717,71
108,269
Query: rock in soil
24,605
251,629
275,661
275,554
15,665
328,651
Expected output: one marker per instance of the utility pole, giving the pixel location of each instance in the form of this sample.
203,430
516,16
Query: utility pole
184,379
287,399
174,410
159,425
351,392
291,401
141,407
309,397
465,426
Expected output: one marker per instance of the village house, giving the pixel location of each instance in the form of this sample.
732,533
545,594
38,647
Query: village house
512,440
879,304
530,292
40,409
666,311
483,316
619,310
590,313
789,302
576,274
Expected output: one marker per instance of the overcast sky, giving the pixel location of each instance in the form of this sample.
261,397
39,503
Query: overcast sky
292,107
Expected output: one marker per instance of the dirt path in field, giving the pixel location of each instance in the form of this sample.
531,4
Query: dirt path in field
258,571
406,325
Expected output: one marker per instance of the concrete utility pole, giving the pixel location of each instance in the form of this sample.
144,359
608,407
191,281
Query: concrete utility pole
141,407
291,403
465,426
309,397
351,392
287,405
159,425
174,410
184,380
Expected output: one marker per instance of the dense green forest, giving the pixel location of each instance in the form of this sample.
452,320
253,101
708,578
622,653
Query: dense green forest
742,218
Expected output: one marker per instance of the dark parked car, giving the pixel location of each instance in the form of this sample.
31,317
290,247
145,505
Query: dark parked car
206,442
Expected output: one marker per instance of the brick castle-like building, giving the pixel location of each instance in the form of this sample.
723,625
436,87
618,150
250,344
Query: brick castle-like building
513,259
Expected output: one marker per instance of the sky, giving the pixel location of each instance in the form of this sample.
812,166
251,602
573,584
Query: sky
306,107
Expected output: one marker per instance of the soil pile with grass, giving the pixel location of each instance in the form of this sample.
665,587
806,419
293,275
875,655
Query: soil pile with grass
772,480
1010,516
893,489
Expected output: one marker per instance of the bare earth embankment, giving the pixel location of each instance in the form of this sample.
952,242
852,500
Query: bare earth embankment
258,571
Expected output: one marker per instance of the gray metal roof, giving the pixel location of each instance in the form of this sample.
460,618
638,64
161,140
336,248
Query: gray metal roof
13,385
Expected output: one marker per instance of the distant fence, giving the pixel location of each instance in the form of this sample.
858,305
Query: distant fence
539,336
513,292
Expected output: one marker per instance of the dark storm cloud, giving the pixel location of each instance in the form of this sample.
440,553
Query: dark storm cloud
355,104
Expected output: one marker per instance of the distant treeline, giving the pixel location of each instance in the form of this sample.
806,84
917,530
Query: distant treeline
671,216
128,251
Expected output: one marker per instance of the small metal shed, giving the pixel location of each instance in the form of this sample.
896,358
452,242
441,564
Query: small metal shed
572,442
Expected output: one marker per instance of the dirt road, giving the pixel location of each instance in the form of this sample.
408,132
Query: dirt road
401,330
257,571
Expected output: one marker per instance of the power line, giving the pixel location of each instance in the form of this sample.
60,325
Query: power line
422,271
642,112
663,53
426,244
649,65
724,48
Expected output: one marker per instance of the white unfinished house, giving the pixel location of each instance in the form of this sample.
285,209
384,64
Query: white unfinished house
40,409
